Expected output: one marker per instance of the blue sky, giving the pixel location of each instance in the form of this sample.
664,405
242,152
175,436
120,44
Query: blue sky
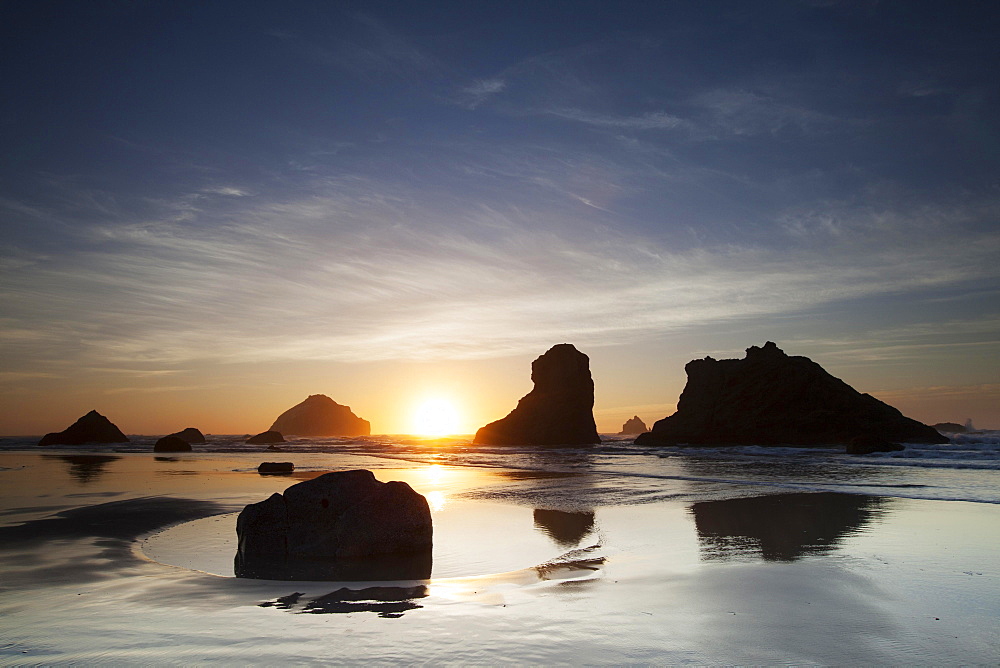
196,192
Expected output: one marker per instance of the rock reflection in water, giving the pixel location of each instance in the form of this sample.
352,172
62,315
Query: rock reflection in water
86,468
387,602
781,527
565,528
415,566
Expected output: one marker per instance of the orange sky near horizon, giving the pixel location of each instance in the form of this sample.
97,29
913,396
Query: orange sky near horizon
389,394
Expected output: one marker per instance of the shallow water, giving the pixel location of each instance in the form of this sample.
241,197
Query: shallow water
546,556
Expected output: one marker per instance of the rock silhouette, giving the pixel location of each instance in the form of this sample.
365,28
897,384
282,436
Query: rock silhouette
172,444
559,410
91,428
275,467
634,426
338,525
190,435
319,415
266,437
950,427
770,398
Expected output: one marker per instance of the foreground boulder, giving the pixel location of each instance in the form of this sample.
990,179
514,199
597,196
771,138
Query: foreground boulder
266,437
341,525
172,444
559,410
319,415
770,398
91,428
190,435
275,467
634,426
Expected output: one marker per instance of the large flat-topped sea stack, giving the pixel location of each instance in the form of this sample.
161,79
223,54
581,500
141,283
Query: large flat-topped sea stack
319,415
559,410
91,428
770,398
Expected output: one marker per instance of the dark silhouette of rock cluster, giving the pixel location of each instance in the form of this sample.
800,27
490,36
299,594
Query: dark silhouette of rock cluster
319,415
91,428
633,426
337,526
559,410
770,398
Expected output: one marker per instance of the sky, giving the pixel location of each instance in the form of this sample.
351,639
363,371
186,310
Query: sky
211,210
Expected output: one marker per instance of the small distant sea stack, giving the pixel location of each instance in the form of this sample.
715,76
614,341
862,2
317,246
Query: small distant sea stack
770,398
265,437
633,426
190,435
91,428
950,428
319,415
559,410
172,444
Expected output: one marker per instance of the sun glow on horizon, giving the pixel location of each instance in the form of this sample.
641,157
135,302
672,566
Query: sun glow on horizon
435,416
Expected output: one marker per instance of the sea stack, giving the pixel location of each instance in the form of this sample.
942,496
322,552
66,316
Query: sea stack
91,428
770,398
633,426
559,410
319,415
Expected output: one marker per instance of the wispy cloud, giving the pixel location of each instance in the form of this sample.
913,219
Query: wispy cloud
358,270
656,120
479,91
226,191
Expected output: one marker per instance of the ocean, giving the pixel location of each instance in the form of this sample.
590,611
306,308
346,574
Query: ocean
610,554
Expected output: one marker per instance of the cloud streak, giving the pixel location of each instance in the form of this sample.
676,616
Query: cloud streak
358,270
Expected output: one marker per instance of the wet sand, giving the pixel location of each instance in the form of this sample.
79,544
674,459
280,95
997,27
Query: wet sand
126,559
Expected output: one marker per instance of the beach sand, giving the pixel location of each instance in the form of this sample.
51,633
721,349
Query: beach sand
126,558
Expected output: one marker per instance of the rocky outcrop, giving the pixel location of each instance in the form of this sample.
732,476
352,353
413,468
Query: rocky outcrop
275,467
172,444
268,436
335,525
559,410
770,398
950,428
634,426
190,435
319,415
91,428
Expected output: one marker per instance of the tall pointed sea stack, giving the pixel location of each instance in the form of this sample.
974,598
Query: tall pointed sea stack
633,426
91,428
559,410
319,415
770,398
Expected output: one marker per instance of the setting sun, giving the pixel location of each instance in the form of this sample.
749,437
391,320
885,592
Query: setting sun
435,417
